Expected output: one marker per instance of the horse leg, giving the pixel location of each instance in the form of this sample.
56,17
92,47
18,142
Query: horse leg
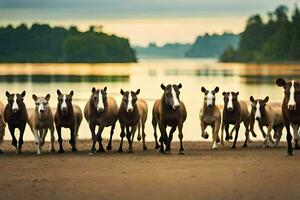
37,141
60,141
52,139
144,136
99,136
180,136
122,135
288,139
237,128
139,137
154,124
163,137
2,132
246,124
72,140
227,132
110,138
43,136
216,138
204,134
21,129
296,136
278,134
222,133
128,136
94,138
270,127
14,141
168,146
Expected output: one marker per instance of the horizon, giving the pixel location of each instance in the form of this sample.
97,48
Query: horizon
142,22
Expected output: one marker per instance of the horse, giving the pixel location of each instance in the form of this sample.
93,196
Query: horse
269,115
234,112
2,124
15,115
132,115
210,115
68,116
40,119
291,111
169,111
101,110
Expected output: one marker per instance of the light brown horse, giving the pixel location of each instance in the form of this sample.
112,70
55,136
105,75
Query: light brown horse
210,115
269,115
2,124
101,110
40,119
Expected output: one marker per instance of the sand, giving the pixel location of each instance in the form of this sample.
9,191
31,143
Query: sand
202,173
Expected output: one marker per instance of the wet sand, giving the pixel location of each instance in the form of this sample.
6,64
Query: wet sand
202,173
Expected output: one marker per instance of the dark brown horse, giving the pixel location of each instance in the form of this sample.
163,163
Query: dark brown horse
101,110
132,115
2,124
169,111
234,112
15,115
291,111
68,116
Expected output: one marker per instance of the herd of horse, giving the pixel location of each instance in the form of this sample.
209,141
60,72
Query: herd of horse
169,111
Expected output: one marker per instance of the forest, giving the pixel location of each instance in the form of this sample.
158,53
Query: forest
275,40
41,43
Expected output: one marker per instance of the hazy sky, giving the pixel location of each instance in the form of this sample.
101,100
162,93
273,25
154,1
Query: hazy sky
142,21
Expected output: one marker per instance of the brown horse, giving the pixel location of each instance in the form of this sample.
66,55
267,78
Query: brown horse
2,124
15,115
132,115
68,116
169,111
269,115
234,112
101,110
291,111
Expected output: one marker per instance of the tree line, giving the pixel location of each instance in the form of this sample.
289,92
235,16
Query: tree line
276,40
42,43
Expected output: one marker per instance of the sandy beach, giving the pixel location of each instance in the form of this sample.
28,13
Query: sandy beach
202,173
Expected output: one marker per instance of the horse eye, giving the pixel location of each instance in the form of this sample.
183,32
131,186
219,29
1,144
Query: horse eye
205,98
95,97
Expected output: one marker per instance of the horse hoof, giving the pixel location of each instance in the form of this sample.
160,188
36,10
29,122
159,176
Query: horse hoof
108,148
1,151
91,153
168,151
218,140
139,138
130,151
157,146
227,138
230,137
245,145
52,150
290,153
145,148
297,147
100,150
181,152
74,150
233,147
61,151
162,151
120,150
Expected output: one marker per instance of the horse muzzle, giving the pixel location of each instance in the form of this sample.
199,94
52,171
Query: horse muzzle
292,107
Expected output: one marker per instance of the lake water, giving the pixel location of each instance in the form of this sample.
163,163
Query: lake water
147,74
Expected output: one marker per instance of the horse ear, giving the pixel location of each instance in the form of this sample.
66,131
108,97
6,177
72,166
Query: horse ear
48,97
58,92
93,89
34,97
203,89
179,85
223,93
23,93
216,89
252,99
237,93
280,82
137,92
266,99
122,92
71,93
162,86
105,88
7,94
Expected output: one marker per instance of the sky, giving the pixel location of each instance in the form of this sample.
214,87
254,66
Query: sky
141,21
